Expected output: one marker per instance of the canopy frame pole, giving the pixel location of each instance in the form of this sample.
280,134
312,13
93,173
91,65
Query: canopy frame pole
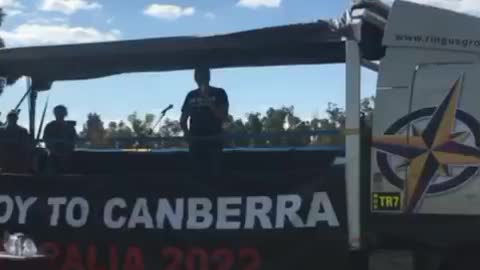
352,125
32,102
27,93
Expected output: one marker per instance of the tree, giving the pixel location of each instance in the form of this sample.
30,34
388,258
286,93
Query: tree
300,129
140,127
119,135
249,131
336,115
170,129
317,125
367,107
237,128
112,129
94,131
124,131
293,121
254,127
274,122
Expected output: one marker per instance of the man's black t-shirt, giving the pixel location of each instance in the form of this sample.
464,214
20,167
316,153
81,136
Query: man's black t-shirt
14,138
14,134
203,122
60,136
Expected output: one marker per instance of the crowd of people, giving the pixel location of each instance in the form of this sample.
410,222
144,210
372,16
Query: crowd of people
204,111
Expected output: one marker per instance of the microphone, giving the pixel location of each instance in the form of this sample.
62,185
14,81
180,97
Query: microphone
167,109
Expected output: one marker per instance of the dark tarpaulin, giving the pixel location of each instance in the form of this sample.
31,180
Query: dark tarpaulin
240,161
313,43
288,243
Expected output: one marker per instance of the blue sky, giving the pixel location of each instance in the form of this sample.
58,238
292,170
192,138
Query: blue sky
308,88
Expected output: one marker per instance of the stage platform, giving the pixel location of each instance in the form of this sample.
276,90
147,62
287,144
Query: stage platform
113,161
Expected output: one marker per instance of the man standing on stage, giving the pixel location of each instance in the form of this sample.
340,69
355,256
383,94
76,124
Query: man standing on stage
60,137
207,108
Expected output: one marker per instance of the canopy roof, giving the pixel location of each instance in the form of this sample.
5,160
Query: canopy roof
313,43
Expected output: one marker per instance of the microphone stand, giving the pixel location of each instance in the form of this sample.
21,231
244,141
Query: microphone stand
162,114
159,120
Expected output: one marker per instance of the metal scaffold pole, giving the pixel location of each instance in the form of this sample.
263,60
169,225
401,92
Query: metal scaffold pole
32,102
352,169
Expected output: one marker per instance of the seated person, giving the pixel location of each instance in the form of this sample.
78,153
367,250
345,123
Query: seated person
60,137
14,146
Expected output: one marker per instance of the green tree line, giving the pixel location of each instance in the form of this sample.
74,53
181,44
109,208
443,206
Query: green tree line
282,124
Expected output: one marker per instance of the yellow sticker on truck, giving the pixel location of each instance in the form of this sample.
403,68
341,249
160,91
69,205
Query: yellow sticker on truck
386,201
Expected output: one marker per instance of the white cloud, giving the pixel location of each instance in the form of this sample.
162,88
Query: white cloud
13,12
54,20
168,12
259,3
11,7
68,6
116,32
465,6
210,15
41,34
10,4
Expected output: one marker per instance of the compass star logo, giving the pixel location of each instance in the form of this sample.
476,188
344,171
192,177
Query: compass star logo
432,153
